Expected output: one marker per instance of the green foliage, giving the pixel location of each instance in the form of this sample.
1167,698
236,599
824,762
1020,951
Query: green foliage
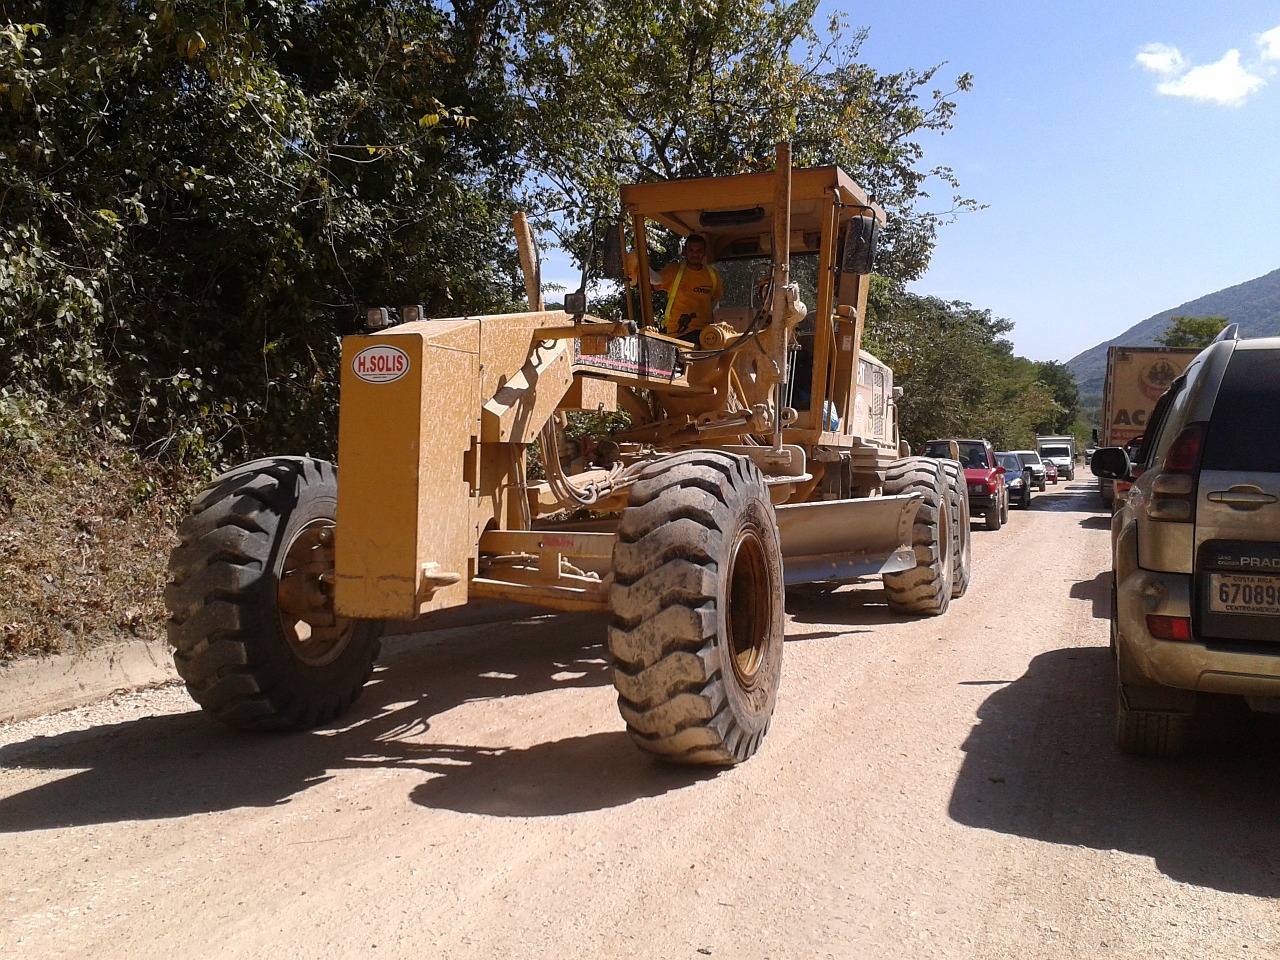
957,371
625,93
195,197
1191,331
1061,384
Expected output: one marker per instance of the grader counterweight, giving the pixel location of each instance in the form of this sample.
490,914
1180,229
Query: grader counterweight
760,453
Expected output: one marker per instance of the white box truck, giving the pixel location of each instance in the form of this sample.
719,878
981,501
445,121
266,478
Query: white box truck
1061,451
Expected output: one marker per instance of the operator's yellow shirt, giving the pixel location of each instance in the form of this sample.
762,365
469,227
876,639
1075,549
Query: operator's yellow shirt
697,291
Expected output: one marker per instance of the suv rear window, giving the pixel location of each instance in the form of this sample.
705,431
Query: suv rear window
1245,423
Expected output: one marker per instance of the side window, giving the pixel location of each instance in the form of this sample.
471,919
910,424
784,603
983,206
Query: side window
1151,441
1243,426
1170,409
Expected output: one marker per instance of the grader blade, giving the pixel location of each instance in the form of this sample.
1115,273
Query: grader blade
846,539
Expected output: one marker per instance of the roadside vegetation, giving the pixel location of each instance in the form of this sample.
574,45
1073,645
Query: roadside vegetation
197,199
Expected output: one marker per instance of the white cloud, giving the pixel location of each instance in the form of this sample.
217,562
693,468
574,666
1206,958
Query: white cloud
1162,58
1269,42
1225,82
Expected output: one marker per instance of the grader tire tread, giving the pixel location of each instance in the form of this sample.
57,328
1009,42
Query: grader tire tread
961,542
221,602
925,588
667,657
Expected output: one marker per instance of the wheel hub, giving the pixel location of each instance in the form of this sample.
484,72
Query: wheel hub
304,597
748,614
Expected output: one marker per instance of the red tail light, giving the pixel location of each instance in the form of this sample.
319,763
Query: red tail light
1173,490
1184,455
1169,628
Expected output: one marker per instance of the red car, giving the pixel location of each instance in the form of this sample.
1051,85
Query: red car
1050,471
984,477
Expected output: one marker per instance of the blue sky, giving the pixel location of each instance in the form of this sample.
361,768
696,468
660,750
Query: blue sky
1128,154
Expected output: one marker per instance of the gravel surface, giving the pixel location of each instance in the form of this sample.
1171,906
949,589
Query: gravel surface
929,788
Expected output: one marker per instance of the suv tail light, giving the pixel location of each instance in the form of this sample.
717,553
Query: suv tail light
1169,628
1173,490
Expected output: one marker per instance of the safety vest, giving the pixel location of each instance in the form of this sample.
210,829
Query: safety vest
671,299
675,288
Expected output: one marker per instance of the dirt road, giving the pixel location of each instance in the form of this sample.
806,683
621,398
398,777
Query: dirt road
929,788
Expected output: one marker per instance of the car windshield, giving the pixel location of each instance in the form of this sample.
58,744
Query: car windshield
1055,451
1009,462
1029,457
941,451
973,455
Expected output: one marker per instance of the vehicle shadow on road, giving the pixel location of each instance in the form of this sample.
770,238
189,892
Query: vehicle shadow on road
1075,497
572,775
178,765
1042,763
1097,591
1101,522
851,605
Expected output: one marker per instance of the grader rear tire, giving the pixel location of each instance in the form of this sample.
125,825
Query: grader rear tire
961,545
250,604
697,603
927,587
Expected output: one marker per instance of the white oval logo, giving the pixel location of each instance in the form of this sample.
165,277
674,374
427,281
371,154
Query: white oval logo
380,364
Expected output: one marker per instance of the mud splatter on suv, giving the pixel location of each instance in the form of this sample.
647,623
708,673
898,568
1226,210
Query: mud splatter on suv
1196,548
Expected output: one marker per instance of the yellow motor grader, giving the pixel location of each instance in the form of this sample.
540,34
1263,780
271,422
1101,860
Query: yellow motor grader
763,455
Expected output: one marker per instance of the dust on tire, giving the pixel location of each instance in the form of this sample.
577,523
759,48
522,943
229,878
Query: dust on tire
927,587
697,604
250,619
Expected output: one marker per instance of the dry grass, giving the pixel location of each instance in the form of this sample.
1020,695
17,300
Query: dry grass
85,533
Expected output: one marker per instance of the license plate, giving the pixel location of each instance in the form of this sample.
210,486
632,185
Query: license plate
1237,593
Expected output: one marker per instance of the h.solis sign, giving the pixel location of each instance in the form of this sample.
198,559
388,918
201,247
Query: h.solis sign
380,364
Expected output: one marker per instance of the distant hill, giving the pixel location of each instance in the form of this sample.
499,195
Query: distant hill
1254,304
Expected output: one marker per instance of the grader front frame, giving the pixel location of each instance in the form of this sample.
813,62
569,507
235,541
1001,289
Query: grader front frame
764,456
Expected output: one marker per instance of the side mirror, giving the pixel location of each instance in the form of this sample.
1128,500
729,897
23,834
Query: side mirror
861,238
1110,463
1001,470
614,269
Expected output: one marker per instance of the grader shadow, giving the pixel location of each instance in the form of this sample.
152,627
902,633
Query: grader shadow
1041,763
179,765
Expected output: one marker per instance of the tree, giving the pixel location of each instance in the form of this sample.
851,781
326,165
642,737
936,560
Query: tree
197,197
1191,331
1061,384
958,372
632,93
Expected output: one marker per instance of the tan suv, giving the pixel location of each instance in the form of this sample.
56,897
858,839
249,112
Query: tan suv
1196,547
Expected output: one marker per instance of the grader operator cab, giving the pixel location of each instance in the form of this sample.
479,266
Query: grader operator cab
765,455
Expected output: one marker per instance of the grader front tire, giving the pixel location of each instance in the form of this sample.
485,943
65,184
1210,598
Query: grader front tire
961,543
697,603
927,587
251,615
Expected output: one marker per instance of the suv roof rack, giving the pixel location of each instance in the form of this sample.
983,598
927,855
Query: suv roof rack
1230,332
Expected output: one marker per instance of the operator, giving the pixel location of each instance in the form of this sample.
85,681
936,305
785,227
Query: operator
693,291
